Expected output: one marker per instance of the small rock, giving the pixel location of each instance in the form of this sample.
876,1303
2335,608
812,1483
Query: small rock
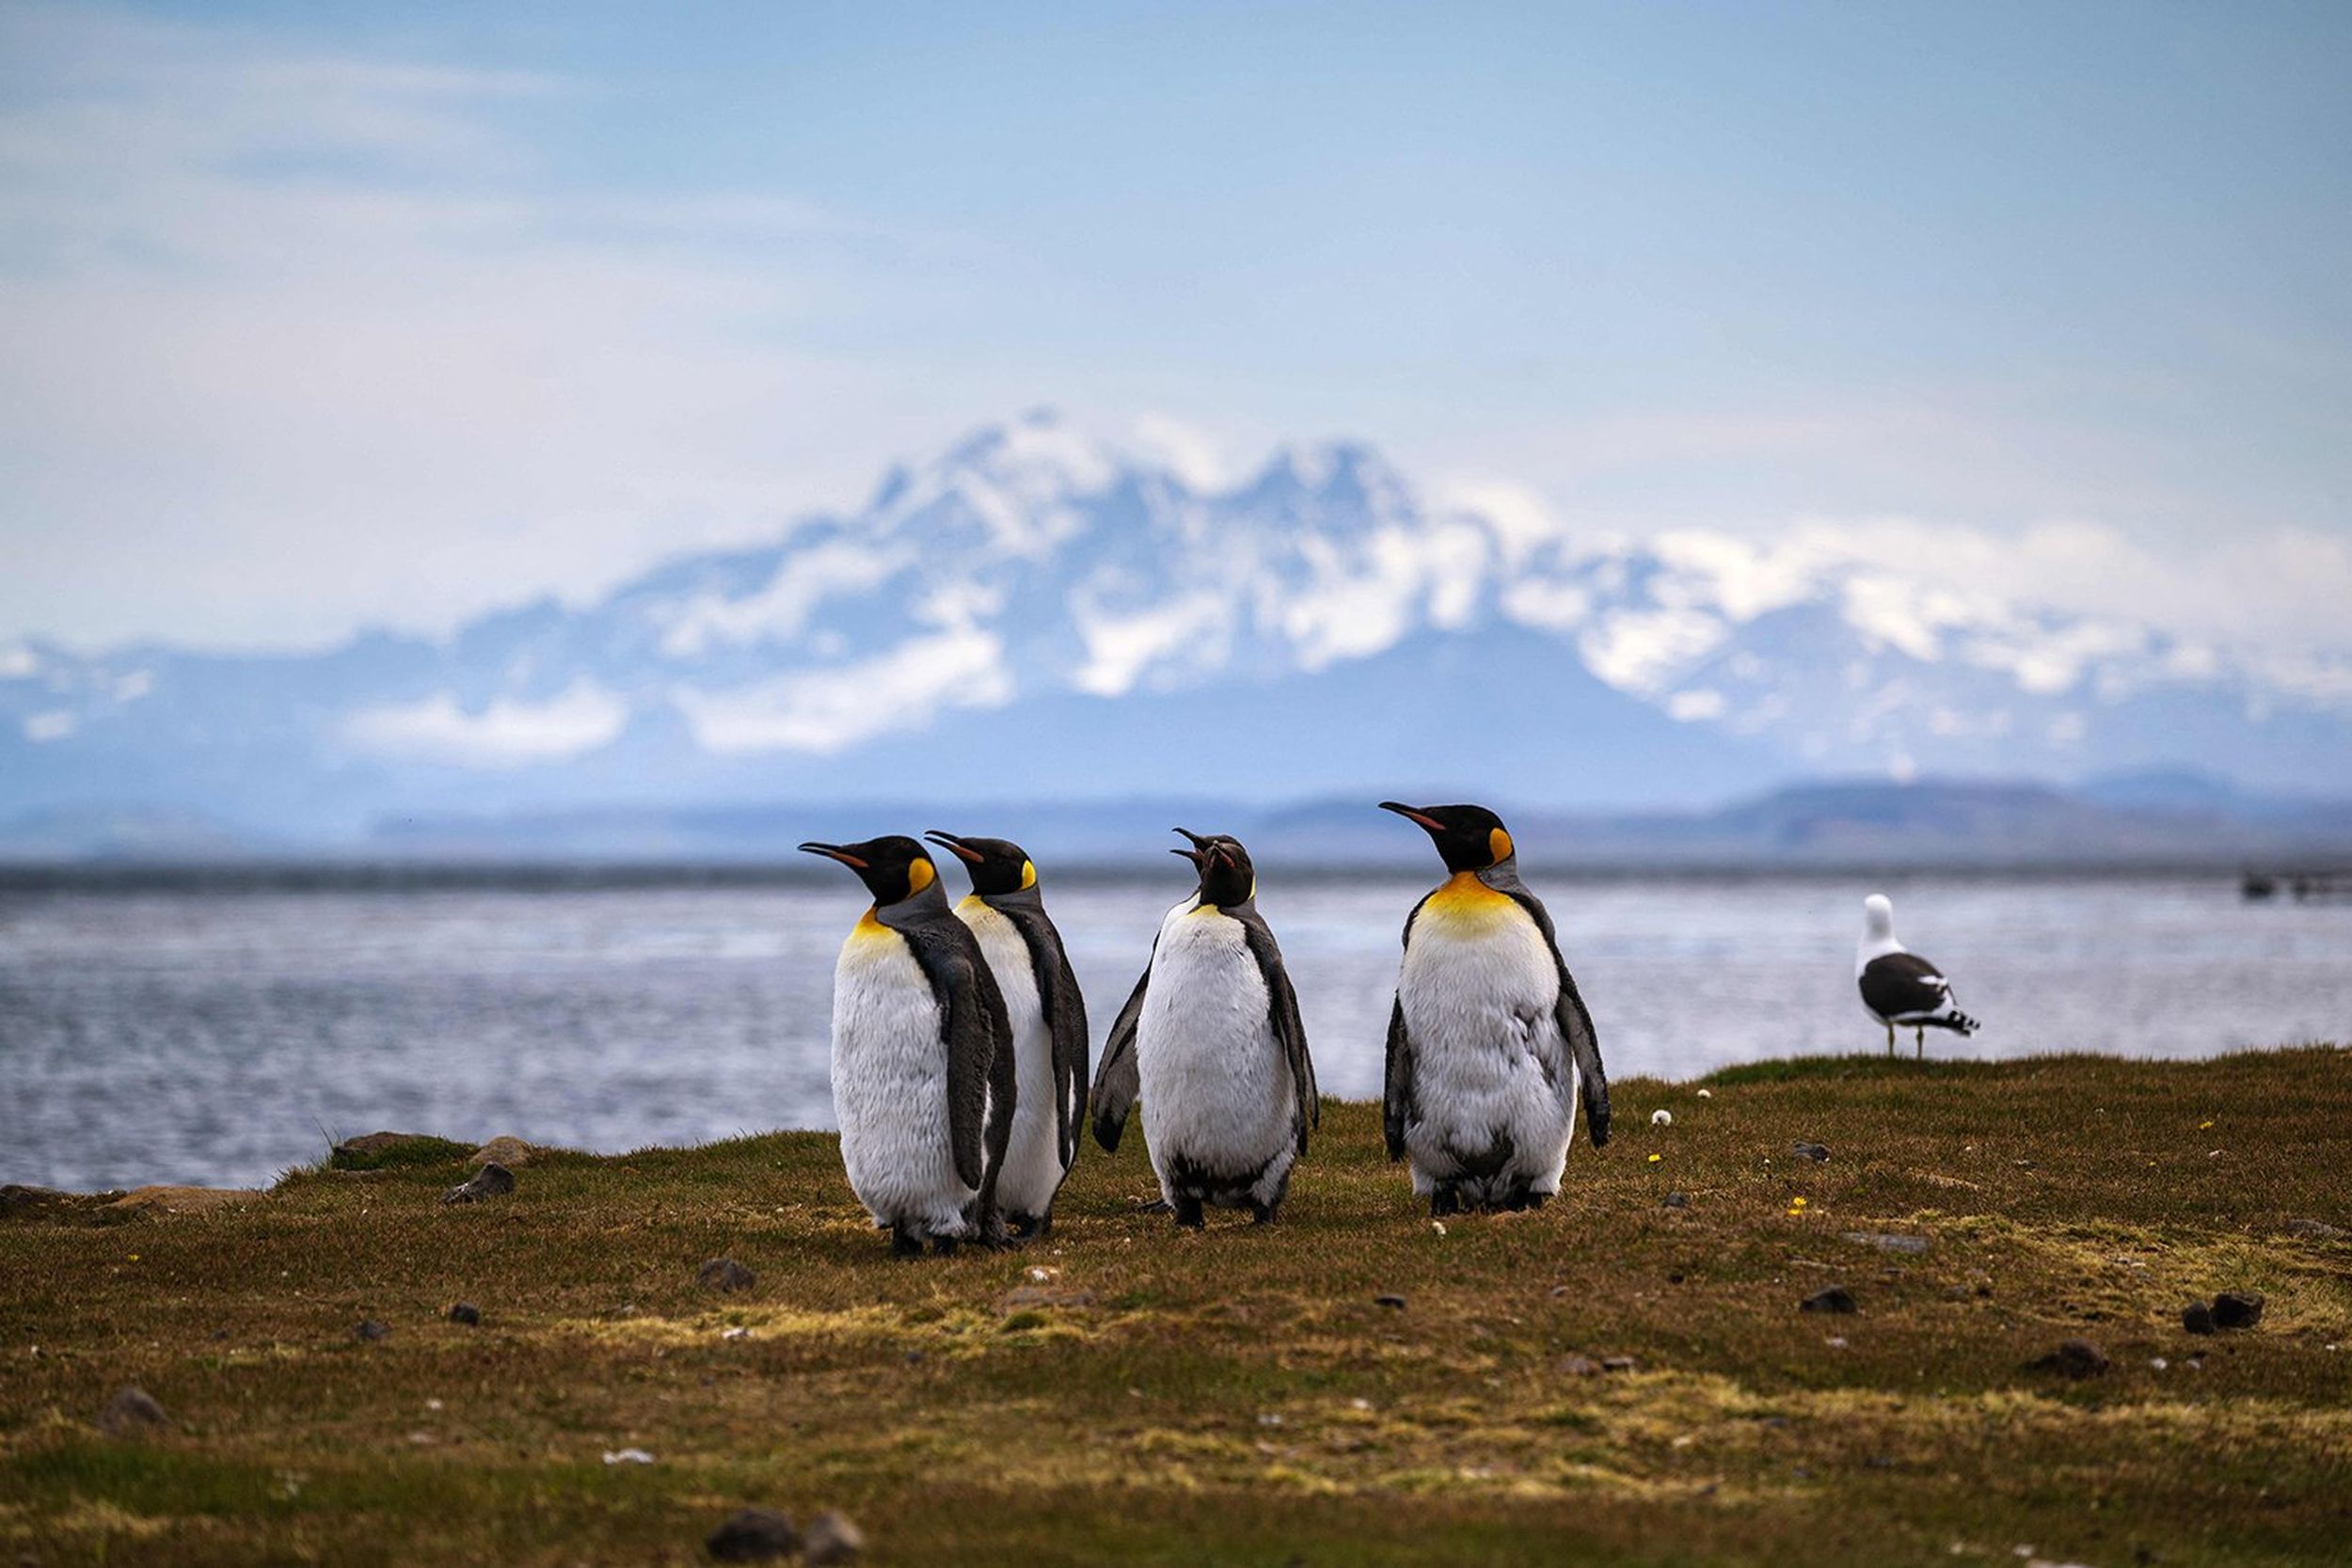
466,1312
1706,1094
1662,1118
724,1274
832,1537
1619,1364
1045,1295
1803,1151
1393,1303
1676,1201
2237,1309
1886,1243
2197,1318
491,1180
2072,1358
1834,1299
372,1332
1579,1366
506,1149
753,1535
129,1413
2318,1230
626,1456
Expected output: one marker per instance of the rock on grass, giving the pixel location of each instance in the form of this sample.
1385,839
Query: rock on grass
754,1535
372,1331
832,1537
131,1412
2072,1358
2237,1309
1804,1150
724,1274
1834,1299
466,1312
393,1151
2197,1318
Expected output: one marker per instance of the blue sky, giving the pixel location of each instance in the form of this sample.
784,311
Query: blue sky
323,316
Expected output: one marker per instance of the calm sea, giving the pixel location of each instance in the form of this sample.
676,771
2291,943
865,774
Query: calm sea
203,1034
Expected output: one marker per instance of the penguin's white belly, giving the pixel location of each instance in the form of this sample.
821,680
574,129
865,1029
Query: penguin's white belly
890,1085
1479,989
1220,1107
1033,1170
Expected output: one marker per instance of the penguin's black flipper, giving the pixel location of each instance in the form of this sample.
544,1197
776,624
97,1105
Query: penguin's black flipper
1575,1025
1396,1091
1396,1087
1065,1011
977,1031
1117,1081
1290,1031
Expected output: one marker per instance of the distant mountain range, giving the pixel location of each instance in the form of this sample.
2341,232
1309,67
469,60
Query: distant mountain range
1036,617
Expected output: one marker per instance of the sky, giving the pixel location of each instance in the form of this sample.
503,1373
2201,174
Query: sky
316,318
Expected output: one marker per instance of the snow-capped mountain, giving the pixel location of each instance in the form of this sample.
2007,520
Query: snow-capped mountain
1036,614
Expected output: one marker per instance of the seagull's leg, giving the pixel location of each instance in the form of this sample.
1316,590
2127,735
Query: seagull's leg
1919,1041
1890,1037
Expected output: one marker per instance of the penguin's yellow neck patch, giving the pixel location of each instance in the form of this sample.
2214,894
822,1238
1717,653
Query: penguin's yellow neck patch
1498,846
973,902
1028,874
1462,898
869,927
920,875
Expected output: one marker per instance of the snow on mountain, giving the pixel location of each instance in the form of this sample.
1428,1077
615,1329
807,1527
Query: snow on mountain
1036,609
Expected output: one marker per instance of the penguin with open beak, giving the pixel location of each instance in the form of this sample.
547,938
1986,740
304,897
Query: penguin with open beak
1212,1041
924,1084
1006,910
1489,1043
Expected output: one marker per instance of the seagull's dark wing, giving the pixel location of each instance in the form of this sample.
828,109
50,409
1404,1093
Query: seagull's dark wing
1896,986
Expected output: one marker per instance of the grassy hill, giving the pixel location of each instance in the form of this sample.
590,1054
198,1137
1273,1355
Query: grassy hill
1126,1393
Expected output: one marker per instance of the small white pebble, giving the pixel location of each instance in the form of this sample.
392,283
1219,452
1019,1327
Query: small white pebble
1042,1276
738,1332
2158,1363
433,1405
1269,1419
1438,1226
626,1456
1837,1341
1706,1094
1366,1404
1662,1118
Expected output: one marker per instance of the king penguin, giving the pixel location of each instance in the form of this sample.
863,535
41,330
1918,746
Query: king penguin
1211,1040
1489,1042
1007,913
923,1077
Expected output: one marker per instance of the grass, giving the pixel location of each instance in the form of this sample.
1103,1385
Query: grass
1236,1396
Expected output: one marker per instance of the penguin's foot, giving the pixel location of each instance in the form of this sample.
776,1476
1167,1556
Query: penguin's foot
1151,1206
1029,1226
905,1242
1444,1198
993,1235
1263,1213
1188,1212
943,1245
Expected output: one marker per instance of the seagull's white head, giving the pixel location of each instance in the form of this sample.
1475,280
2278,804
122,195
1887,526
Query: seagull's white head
1878,918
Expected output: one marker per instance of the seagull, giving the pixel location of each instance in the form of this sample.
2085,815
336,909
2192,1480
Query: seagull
1901,986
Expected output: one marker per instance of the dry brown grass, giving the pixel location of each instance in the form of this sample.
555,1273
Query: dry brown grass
1237,1395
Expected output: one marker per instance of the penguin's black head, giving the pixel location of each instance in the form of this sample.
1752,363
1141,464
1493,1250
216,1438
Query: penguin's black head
1468,838
1226,878
996,865
894,868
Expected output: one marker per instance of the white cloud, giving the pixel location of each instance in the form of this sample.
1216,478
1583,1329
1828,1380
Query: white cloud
1188,451
300,341
1693,705
506,734
778,612
53,725
829,710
